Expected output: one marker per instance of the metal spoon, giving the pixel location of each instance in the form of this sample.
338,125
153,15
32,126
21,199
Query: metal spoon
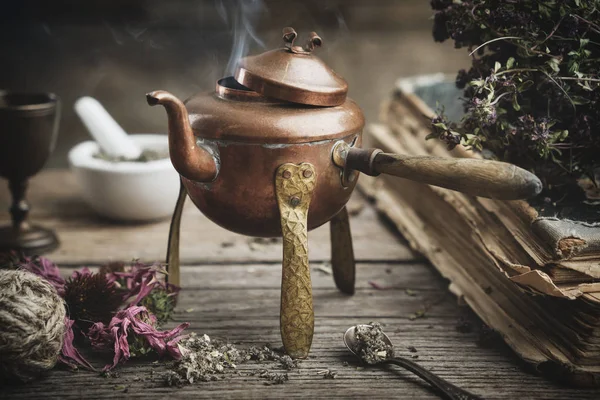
448,390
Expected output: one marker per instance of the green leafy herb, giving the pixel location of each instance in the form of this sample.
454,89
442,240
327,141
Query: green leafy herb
532,94
161,302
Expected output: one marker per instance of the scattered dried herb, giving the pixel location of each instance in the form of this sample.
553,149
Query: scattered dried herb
110,374
327,374
372,346
267,353
288,362
201,361
206,360
418,314
378,286
422,313
532,94
273,378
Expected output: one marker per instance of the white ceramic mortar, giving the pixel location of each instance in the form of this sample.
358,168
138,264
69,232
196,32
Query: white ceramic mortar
127,191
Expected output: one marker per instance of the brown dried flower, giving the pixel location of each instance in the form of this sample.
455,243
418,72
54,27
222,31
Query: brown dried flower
91,298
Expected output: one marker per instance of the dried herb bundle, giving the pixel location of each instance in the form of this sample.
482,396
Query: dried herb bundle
532,94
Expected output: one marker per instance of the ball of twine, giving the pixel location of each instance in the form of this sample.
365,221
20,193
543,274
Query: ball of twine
32,325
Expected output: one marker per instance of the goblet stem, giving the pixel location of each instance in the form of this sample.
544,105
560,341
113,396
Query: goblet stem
19,208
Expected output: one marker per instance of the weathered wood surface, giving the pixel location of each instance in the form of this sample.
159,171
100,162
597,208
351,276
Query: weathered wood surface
88,239
241,303
239,300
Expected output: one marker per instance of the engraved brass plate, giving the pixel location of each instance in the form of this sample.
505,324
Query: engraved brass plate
294,186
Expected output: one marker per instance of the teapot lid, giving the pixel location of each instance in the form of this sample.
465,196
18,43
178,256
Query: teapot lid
293,74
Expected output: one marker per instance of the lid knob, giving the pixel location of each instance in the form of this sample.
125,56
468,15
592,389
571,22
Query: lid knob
293,73
290,35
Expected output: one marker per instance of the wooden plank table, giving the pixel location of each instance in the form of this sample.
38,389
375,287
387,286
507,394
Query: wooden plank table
231,290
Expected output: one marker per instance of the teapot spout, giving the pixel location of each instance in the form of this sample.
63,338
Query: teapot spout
192,161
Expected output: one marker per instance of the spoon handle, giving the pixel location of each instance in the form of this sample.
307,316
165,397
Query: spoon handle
449,391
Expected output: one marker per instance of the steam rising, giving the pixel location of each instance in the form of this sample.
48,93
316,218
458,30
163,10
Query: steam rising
242,16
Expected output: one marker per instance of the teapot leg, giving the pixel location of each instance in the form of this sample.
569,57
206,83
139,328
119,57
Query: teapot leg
342,253
294,186
173,276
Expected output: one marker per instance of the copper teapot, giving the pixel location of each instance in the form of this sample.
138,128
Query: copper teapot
276,151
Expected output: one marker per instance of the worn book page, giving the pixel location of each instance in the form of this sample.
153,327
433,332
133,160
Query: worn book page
547,308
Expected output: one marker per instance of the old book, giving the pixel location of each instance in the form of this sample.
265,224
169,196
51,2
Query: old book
530,271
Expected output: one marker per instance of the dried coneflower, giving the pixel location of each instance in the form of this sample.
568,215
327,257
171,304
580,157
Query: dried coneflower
134,326
69,355
144,284
104,308
91,298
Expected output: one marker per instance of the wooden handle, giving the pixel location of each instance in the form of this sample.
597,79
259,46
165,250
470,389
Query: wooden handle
484,178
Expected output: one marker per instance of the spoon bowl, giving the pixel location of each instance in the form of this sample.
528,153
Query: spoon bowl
446,389
354,345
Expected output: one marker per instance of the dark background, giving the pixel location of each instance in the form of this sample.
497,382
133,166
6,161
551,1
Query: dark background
118,50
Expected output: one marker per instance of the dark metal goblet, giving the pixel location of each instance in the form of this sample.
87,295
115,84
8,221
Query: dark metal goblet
28,130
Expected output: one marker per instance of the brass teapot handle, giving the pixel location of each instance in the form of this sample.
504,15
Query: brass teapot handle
483,178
